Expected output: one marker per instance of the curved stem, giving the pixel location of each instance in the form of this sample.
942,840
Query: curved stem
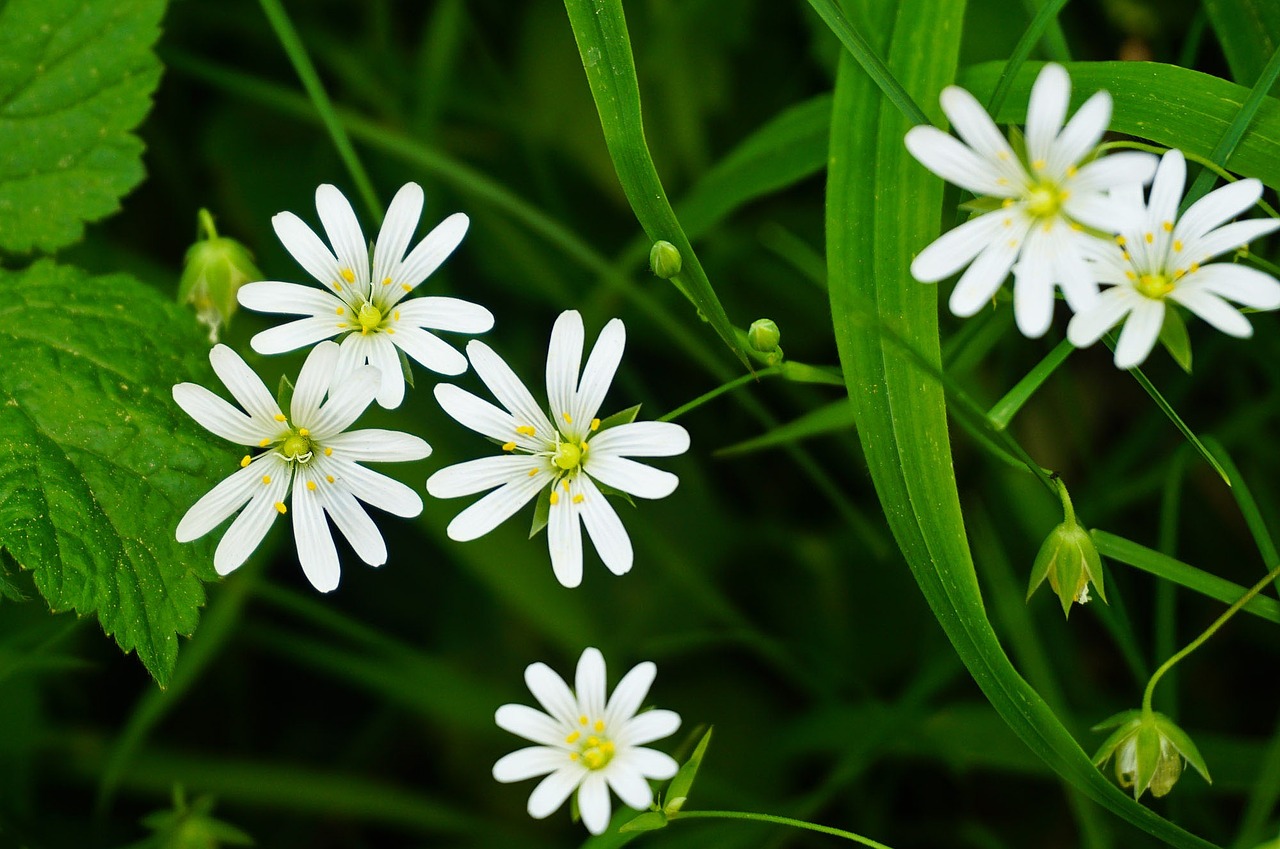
1208,632
717,392
1068,509
788,821
205,225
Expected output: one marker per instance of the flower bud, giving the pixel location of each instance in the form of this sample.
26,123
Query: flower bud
764,335
1149,750
1069,559
664,259
213,270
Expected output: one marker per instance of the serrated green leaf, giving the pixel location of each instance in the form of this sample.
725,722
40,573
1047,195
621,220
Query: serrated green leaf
621,417
682,783
76,77
97,464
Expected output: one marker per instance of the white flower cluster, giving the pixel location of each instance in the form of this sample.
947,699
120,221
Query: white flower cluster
1062,217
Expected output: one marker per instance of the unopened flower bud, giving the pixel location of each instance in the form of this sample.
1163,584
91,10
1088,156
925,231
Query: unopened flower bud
1149,750
764,335
664,259
213,270
1069,559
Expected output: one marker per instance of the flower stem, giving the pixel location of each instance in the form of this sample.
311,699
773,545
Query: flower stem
717,392
1068,509
794,823
1208,632
204,223
1008,406
1226,175
306,71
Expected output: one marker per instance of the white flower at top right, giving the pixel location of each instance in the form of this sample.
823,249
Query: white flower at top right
1166,258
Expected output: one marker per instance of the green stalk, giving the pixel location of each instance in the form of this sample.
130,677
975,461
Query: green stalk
787,821
742,380
1008,406
1047,15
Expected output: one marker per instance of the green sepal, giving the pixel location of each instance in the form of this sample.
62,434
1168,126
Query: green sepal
622,417
284,394
648,821
1148,743
1113,741
1092,563
1183,744
541,512
682,783
1175,339
1117,720
607,490
405,369
982,205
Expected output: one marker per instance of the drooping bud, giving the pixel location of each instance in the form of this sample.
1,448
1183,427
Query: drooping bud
1069,560
764,335
665,260
1150,751
213,270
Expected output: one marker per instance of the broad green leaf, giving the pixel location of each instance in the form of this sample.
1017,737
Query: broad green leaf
600,29
97,464
1171,106
882,208
1249,32
76,78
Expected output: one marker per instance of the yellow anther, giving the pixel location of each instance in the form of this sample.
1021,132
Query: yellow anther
599,726
1150,237
565,483
337,287
302,431
573,756
1168,226
568,419
1120,240
339,311
1002,181
595,424
582,720
1195,266
508,446
1008,222
311,485
328,452
1008,202
244,461
573,738
266,479
1038,164
1076,227
583,446
1013,243
1125,255
593,740
527,430
396,315
280,417
555,497
578,499
329,478
386,281
280,508
1002,155
348,275
406,287
1072,170
533,473
1179,274
1130,275
1177,246
391,330
264,443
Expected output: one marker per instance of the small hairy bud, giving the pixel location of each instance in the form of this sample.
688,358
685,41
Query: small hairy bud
664,260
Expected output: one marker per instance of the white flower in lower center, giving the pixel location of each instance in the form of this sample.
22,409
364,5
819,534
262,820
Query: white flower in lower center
566,451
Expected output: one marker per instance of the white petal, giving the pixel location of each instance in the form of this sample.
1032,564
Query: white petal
507,388
590,682
494,509
954,162
353,523
1229,237
1081,134
346,402
564,360
1033,285
1077,278
597,375
343,229
243,384
1108,213
630,786
397,230
631,477
1219,206
956,248
528,763
216,415
313,382
431,252
248,529
605,528
641,439
1166,190
987,273
378,446
217,504
1089,326
382,356
593,803
552,693
1139,334
564,538
1215,311
278,297
630,693
453,314
306,247
294,335
1046,110
652,764
553,790
484,474
651,725
1244,285
972,123
1107,172
484,418
532,725
373,488
429,350
353,352
316,551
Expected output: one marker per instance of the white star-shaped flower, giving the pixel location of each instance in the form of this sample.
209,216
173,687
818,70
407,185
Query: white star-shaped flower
586,744
1045,200
1164,257
366,305
567,451
307,459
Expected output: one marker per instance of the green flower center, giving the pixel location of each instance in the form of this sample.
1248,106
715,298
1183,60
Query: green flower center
297,446
370,317
595,750
568,456
1155,286
1045,200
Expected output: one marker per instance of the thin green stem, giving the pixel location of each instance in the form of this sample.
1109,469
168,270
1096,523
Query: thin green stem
1269,267
1202,161
1068,509
1208,632
1046,15
205,226
788,821
1195,35
717,392
1008,406
306,71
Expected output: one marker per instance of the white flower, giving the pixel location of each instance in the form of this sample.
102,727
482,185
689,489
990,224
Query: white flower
306,451
1164,257
586,744
565,452
1046,201
367,308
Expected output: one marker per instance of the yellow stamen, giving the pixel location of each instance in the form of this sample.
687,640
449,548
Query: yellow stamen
1008,202
1038,164
533,472
329,478
573,756
302,431
582,720
568,419
1002,181
337,287
396,315
328,452
555,497
508,446
348,275
244,461
264,443
391,330
1149,237
1072,170
1008,222
1195,266
1168,226
1120,240
406,287
339,310
527,430
565,484
311,485
1125,255
386,281
583,446
1177,246
266,479
595,424
599,726
573,738
1130,275
280,508
579,498
280,417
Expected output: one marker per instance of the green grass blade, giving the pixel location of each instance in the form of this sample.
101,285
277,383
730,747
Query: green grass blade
1008,406
1246,45
835,417
1044,18
1248,506
600,29
1184,575
1173,416
881,208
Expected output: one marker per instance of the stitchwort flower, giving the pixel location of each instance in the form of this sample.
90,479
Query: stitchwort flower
308,459
566,454
1040,203
1166,258
365,306
585,743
